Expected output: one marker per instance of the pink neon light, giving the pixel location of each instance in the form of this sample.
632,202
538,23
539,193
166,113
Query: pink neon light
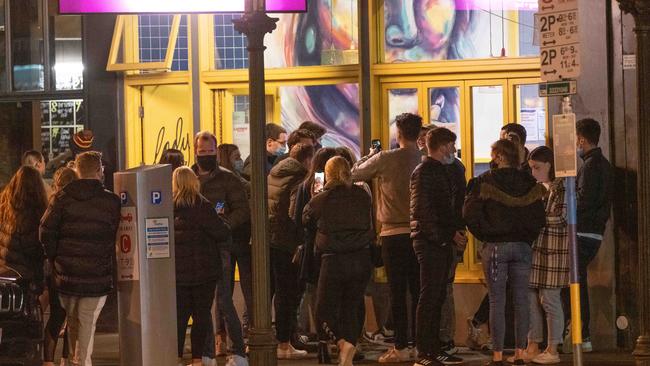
173,6
496,5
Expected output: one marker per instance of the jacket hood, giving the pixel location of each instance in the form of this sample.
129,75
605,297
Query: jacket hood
288,167
84,189
511,187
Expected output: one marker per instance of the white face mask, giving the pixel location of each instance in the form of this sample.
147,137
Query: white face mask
449,159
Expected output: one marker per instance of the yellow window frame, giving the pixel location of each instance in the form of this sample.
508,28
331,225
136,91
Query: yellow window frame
131,46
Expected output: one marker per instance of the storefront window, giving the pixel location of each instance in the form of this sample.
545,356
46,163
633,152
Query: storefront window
419,30
60,120
325,35
487,120
65,50
531,113
335,107
444,110
3,47
27,45
153,32
400,101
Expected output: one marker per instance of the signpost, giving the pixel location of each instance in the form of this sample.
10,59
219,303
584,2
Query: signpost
559,35
559,39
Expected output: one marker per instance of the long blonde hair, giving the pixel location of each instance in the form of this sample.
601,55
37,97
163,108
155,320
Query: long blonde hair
186,187
337,171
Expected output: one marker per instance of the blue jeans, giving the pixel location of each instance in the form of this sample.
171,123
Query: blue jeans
548,300
508,262
227,308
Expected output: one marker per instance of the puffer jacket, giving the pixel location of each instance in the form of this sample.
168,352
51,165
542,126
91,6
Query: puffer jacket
505,205
283,182
198,233
78,233
432,213
341,218
22,251
222,186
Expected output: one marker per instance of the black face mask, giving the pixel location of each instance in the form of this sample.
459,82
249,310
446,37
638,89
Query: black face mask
207,163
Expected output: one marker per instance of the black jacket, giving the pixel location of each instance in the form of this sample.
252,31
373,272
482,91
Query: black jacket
78,232
340,218
283,183
456,173
198,233
222,186
432,214
594,191
22,251
248,168
505,205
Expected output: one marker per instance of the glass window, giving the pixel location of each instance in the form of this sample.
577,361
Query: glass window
418,30
27,45
444,110
400,101
16,120
3,47
335,107
325,35
531,113
487,120
60,120
153,37
65,50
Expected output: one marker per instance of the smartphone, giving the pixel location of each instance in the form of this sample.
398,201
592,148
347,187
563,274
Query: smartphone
220,207
376,144
319,182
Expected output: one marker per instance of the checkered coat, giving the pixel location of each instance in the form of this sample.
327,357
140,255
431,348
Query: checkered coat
551,250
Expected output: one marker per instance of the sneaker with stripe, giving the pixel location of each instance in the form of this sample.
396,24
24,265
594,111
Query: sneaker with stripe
447,359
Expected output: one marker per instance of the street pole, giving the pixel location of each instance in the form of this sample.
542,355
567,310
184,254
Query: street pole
572,222
640,9
255,24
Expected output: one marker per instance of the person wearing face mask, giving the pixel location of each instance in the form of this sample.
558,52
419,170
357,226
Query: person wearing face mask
594,201
437,235
227,194
276,146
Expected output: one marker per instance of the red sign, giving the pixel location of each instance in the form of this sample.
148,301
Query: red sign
125,243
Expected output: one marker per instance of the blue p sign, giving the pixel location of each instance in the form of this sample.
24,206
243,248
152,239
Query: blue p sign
156,197
123,198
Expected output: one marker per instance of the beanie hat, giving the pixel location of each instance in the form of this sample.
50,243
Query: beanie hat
82,141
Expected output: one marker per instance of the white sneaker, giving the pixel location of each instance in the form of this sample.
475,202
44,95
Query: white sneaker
236,360
291,353
207,361
395,355
546,358
587,347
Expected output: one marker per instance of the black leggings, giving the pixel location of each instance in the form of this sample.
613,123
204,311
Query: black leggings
341,285
54,324
195,301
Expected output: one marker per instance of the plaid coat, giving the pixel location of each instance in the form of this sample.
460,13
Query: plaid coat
551,250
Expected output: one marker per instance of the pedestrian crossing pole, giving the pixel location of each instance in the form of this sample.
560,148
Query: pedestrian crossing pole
571,199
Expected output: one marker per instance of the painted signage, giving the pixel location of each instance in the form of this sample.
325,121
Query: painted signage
173,6
126,247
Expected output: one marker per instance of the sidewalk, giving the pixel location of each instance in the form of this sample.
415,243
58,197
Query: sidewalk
107,354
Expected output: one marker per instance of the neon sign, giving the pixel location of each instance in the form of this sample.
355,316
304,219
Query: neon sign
173,6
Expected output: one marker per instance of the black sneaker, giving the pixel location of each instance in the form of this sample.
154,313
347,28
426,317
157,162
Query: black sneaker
447,359
427,361
495,363
449,348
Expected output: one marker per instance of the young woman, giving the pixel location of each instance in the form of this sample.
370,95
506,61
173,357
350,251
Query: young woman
229,157
173,157
504,209
550,269
198,232
22,204
346,265
62,177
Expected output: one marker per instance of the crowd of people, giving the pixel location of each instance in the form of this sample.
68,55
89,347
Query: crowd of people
328,230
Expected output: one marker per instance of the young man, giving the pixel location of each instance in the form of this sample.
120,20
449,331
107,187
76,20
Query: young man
299,136
283,182
78,233
519,138
393,168
276,145
317,130
228,195
594,199
437,234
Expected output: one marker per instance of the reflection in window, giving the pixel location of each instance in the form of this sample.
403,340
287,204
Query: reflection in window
65,50
487,120
153,37
335,107
27,45
456,30
444,110
400,101
325,35
60,120
531,113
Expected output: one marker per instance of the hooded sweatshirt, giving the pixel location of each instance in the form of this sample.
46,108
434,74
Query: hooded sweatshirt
78,233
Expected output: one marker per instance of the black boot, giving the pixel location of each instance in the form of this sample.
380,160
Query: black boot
324,353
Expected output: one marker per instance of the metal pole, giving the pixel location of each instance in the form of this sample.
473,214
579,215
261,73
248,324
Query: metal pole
576,317
255,24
